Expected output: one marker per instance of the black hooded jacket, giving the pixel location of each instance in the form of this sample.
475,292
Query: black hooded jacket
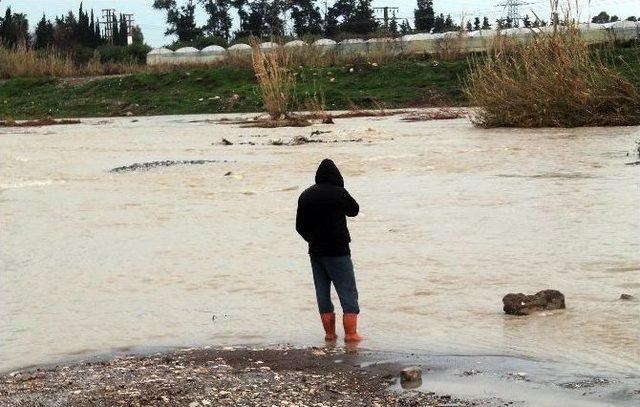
322,210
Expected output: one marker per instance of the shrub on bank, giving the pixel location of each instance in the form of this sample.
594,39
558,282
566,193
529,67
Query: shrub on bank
131,54
551,80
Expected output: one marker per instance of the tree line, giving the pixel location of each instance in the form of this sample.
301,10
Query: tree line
64,32
309,18
268,18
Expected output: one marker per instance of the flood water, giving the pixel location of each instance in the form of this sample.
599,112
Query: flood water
452,219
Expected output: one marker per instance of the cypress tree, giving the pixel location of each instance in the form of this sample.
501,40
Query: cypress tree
424,16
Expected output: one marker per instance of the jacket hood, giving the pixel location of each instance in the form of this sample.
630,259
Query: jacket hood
328,173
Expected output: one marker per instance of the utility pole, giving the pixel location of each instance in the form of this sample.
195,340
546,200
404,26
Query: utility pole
385,13
129,18
107,23
512,9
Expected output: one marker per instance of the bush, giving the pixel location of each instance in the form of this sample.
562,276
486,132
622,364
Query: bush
551,80
132,54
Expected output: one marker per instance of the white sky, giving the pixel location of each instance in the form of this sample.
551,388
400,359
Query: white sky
153,27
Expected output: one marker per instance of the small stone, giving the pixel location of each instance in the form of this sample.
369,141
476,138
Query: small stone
226,142
626,297
411,374
205,402
194,404
129,114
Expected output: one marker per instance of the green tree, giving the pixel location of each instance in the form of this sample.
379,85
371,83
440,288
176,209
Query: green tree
424,16
476,24
351,16
364,21
181,20
449,25
614,19
123,32
307,19
405,27
486,25
219,22
393,25
601,18
138,37
469,26
273,17
439,24
43,34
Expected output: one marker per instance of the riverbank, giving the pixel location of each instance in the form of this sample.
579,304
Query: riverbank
317,376
219,377
419,82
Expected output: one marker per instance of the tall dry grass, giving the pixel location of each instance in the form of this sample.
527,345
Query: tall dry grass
551,80
275,79
452,46
26,62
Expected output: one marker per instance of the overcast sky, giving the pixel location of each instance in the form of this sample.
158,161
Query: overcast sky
153,27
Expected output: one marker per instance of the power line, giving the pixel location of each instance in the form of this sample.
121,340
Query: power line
108,15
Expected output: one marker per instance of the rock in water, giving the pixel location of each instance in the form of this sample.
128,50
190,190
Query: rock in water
411,374
626,297
521,304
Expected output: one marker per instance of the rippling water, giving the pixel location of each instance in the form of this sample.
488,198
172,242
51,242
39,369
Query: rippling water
452,219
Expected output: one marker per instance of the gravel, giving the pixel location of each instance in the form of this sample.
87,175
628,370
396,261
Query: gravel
280,376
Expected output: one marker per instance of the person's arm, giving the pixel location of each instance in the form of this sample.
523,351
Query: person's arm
302,223
351,207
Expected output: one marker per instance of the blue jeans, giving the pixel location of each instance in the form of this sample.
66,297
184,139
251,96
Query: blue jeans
339,271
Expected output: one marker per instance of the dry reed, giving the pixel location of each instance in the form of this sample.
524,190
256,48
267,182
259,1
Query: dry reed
26,62
275,79
553,79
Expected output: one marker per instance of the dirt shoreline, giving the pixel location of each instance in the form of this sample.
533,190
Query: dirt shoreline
282,376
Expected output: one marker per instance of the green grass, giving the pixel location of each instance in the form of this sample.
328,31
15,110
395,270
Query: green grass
226,90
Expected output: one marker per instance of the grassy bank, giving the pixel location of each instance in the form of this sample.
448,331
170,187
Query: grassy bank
227,89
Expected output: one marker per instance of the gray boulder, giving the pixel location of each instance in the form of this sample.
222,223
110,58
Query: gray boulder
522,304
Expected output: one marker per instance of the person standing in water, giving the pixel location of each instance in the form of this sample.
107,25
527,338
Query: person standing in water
321,221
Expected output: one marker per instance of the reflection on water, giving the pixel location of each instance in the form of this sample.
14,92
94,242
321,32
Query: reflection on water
452,219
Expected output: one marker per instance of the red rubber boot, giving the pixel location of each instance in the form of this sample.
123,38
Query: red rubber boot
329,324
350,322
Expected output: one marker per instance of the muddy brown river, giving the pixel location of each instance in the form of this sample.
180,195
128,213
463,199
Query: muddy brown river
452,218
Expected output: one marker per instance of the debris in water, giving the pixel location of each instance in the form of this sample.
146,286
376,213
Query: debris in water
168,163
319,132
586,383
36,123
439,114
